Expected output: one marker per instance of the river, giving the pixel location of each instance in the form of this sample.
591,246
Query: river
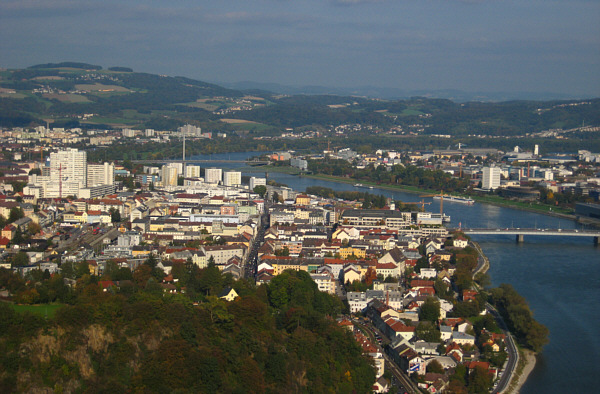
560,278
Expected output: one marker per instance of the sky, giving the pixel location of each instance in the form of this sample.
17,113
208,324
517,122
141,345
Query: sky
469,45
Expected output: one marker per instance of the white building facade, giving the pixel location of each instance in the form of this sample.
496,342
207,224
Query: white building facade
254,181
491,178
213,175
232,178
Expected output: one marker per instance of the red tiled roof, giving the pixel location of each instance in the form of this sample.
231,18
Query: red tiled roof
421,283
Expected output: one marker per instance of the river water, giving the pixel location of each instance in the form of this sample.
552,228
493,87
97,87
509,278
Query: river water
560,278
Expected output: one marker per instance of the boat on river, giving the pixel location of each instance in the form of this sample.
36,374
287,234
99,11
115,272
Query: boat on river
462,200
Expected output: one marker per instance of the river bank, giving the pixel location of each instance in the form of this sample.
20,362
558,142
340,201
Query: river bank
527,358
527,361
537,269
415,190
484,264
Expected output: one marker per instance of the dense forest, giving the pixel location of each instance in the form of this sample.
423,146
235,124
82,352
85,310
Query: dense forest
131,335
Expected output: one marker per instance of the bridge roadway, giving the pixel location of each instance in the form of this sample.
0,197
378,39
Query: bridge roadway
521,232
192,161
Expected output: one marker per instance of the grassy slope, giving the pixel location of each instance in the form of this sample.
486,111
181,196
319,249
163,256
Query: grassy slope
42,310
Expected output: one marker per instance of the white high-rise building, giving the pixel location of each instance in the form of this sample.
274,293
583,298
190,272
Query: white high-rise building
254,181
70,165
491,178
129,133
178,167
213,175
68,174
168,176
232,178
192,171
100,174
190,130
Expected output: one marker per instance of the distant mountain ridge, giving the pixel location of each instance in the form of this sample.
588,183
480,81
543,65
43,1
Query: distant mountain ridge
74,94
398,94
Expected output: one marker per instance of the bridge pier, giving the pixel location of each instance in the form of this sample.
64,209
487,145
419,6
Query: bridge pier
596,241
520,238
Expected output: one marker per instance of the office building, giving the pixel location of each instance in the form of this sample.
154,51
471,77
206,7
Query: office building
491,178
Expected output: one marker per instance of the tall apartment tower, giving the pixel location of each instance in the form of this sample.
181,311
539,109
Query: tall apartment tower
70,165
192,171
178,167
100,174
491,178
232,178
168,176
213,175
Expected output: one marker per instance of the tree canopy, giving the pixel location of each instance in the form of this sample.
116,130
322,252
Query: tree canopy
136,337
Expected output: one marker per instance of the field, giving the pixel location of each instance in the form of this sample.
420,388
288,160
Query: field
232,121
203,105
100,88
12,95
48,78
67,98
48,310
411,112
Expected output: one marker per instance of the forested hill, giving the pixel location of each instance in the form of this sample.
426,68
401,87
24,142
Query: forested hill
278,338
72,94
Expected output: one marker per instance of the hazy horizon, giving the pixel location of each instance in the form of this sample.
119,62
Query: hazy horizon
430,45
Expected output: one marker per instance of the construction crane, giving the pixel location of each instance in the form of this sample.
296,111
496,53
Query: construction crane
441,196
422,203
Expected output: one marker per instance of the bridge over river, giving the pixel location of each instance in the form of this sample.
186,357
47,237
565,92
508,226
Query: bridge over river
520,233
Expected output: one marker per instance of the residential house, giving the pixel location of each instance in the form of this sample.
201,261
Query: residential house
460,242
228,294
462,338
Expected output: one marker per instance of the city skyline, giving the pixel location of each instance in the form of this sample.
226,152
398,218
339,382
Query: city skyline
469,45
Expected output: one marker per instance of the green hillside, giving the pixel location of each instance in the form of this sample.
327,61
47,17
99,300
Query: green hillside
119,97
135,338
